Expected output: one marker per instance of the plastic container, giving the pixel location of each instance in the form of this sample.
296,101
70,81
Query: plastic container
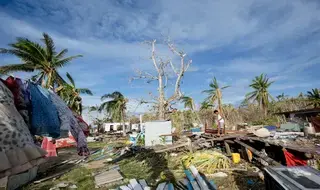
235,157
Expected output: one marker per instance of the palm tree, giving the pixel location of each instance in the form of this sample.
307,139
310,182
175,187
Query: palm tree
205,105
215,94
314,97
116,107
189,103
260,85
71,94
36,57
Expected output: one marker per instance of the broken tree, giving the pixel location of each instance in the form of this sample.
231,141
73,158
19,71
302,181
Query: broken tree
163,69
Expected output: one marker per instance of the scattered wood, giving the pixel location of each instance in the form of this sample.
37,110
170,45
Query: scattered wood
303,149
53,176
173,147
229,141
107,177
259,154
228,150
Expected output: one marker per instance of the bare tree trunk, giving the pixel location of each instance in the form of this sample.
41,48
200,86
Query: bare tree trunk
124,133
162,107
163,103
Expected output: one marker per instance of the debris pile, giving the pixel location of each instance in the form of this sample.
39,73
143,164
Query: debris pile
207,161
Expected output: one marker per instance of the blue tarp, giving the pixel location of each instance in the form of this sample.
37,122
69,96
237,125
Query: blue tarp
44,115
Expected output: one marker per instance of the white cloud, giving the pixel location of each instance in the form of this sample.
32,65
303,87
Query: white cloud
255,36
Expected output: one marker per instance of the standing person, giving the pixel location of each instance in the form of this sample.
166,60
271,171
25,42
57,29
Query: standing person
220,122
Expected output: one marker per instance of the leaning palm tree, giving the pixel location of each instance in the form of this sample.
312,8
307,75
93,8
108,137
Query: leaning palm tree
260,93
36,57
115,107
71,94
314,97
215,94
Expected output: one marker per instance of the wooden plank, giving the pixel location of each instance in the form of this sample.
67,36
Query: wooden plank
107,177
172,148
53,176
303,149
229,141
259,154
228,150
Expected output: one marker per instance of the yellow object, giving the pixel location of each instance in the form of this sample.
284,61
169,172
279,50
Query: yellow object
206,161
249,155
235,157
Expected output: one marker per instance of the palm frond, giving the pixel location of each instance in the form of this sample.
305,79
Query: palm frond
85,91
50,48
70,79
113,95
63,62
225,87
16,67
61,54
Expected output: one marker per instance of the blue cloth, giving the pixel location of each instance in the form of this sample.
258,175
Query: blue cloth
196,129
44,115
271,128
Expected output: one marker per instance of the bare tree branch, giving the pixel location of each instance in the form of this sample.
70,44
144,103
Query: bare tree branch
163,77
144,75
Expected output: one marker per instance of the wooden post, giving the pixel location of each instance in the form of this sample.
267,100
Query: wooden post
190,145
228,150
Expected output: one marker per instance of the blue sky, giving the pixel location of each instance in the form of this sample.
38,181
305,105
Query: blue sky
233,40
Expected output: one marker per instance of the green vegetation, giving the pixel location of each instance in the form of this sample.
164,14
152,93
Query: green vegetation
215,94
261,95
314,97
35,57
71,94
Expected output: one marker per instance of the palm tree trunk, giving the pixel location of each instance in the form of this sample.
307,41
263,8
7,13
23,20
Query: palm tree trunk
197,114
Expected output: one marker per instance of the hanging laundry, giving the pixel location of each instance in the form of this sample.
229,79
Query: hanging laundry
64,113
48,146
18,152
44,114
80,138
83,125
21,102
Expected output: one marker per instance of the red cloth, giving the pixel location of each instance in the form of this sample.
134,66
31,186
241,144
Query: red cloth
293,160
49,147
66,142
11,83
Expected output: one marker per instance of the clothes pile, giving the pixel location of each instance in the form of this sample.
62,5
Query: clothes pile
40,112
